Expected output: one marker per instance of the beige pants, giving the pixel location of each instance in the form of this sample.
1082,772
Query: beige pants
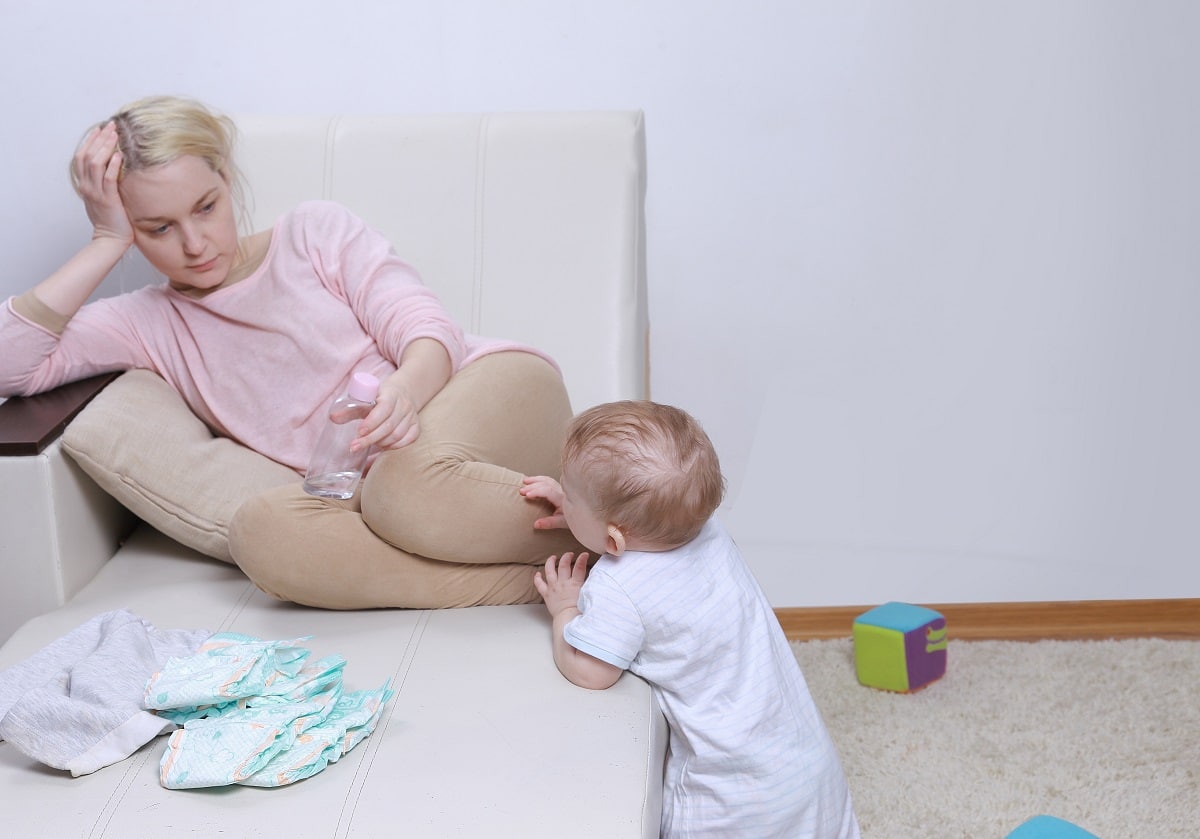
436,524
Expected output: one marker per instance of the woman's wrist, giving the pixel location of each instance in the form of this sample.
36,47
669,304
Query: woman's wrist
109,246
423,372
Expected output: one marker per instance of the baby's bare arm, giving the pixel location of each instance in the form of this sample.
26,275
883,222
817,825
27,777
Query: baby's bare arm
559,584
581,669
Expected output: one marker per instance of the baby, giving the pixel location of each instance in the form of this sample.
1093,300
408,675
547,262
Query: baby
671,600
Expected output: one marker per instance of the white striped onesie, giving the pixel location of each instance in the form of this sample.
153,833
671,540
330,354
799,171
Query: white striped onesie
749,754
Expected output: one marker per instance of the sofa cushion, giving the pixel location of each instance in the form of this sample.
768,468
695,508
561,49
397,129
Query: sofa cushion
142,444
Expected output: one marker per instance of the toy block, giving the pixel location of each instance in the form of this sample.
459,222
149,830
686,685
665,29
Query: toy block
1048,827
899,647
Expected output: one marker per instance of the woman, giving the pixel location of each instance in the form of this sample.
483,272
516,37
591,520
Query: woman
260,332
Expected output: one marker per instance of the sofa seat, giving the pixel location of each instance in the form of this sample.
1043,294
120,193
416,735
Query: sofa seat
483,738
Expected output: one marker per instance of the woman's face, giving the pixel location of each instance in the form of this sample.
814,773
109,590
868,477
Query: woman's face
183,222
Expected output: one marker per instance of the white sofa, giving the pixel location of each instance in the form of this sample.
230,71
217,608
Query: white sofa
530,227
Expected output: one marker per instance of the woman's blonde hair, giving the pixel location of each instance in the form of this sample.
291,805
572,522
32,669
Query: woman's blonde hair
158,130
649,468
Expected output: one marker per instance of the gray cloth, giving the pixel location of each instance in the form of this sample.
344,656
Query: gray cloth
78,703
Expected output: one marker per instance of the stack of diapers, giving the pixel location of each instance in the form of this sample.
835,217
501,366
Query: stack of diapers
257,712
242,710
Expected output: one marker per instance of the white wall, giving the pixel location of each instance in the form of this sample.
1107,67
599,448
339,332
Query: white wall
927,271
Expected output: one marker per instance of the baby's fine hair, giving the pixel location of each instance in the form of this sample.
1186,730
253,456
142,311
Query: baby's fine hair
158,130
649,468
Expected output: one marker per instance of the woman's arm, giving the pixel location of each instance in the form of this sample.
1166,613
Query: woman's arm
96,165
395,308
67,289
33,322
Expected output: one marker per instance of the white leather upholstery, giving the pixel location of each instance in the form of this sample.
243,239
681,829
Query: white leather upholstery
483,739
530,227
57,529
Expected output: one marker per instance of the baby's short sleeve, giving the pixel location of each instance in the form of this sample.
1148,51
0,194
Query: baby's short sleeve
610,625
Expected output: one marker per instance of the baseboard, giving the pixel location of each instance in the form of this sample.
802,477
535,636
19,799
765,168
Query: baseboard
1064,620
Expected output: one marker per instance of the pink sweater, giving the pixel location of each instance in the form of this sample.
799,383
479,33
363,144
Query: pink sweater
261,360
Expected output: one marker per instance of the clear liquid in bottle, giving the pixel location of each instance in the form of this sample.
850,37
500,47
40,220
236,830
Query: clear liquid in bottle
335,470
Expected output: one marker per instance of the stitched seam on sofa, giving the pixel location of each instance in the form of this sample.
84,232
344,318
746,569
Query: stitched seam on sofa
375,741
481,158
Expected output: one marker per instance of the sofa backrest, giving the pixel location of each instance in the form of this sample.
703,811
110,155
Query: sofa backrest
528,226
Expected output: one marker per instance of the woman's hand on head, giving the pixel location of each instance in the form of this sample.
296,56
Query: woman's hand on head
94,170
97,165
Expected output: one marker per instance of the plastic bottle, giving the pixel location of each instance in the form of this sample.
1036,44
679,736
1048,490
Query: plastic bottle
335,470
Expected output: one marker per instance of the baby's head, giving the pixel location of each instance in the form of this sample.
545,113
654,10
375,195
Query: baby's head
647,473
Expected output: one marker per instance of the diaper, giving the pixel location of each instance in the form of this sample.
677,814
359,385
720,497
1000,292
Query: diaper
227,667
258,713
353,717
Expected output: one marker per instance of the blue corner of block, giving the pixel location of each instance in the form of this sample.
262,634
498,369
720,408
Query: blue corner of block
1049,827
902,617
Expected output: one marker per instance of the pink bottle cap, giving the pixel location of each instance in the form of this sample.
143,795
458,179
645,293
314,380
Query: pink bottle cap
363,387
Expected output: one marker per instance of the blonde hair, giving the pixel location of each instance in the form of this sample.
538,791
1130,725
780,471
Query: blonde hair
158,130
649,468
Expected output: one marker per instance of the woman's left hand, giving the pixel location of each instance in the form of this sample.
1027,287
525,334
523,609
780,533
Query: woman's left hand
392,423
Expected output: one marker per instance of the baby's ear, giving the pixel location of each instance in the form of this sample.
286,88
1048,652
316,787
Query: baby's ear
615,543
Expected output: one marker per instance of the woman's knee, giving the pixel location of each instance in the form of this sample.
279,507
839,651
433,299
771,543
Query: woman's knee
454,494
423,504
275,535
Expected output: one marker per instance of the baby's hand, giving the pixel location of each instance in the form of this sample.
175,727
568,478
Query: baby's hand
560,584
546,489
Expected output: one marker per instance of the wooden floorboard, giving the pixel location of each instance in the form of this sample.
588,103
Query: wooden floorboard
1062,620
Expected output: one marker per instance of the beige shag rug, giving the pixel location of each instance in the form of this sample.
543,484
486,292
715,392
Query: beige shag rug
1104,734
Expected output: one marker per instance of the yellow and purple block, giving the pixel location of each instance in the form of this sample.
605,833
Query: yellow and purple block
899,647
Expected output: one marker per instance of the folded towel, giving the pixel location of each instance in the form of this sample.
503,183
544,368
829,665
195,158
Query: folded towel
77,703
